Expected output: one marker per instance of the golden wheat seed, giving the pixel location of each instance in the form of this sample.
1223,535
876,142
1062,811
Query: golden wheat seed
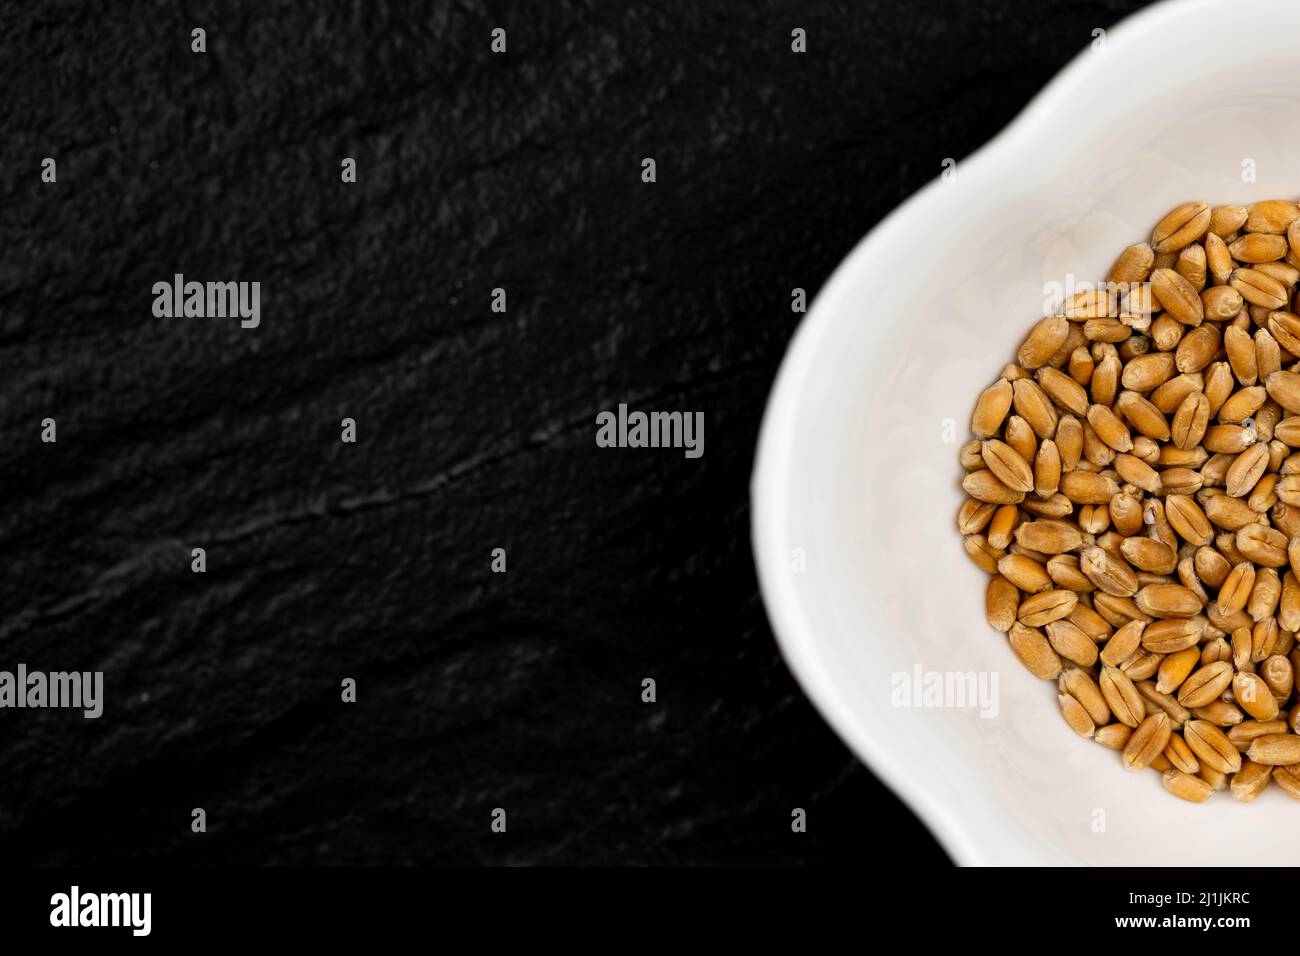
1284,272
1293,239
1122,696
1191,265
1240,348
1064,571
1090,304
1205,684
1242,405
1113,736
1087,488
1278,674
1285,328
1181,226
1250,781
1178,297
1271,216
1288,431
1253,696
1219,385
1145,373
1047,607
1001,599
1264,637
1265,595
1104,385
1043,341
1180,756
1288,613
1185,786
1147,741
984,485
1078,684
983,554
1049,536
1212,567
1020,436
1032,404
1001,527
1076,715
1186,518
1275,750
1246,470
1235,591
1221,303
1197,349
1263,545
1025,573
1072,643
1268,354
1225,220
1063,390
1257,247
1258,288
1221,713
1211,746
1175,634
1108,572
1168,601
1047,469
1263,496
1090,622
1176,712
1229,513
1226,440
1132,266
1288,780
1148,554
1121,645
1191,420
1007,465
1126,513
1244,733
1034,651
1080,366
991,409
1175,669
1288,489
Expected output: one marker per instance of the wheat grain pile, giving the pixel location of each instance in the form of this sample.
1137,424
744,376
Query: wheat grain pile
1134,494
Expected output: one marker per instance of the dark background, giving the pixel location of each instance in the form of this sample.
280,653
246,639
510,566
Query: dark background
476,430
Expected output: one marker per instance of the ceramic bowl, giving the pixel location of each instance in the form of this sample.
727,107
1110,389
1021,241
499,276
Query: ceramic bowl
856,482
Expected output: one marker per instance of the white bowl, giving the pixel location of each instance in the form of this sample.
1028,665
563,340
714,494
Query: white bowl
855,488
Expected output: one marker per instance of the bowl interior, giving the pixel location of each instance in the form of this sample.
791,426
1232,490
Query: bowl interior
857,483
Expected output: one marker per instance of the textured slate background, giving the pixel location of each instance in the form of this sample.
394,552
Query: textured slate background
476,430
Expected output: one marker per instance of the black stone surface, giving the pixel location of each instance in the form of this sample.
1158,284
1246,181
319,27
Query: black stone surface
476,430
